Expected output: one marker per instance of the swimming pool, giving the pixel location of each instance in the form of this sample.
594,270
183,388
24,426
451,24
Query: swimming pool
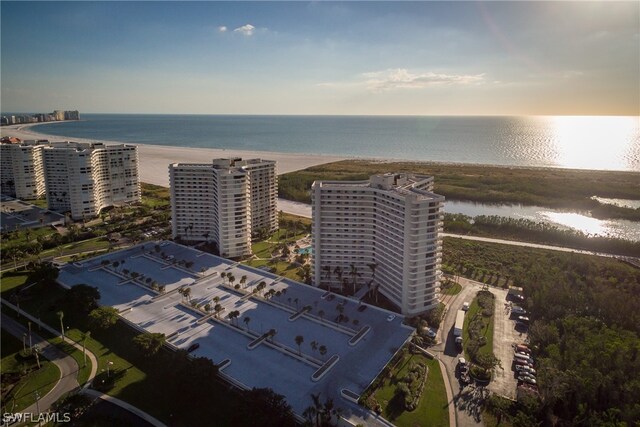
308,250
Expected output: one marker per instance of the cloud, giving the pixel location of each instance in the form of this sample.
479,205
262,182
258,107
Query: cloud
222,29
401,78
246,30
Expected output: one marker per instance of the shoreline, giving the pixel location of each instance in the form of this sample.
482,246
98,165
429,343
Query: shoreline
154,160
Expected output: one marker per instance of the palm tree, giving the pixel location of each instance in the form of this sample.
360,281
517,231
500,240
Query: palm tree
296,301
299,341
321,314
327,273
83,337
262,285
272,333
61,316
323,350
217,309
223,275
243,280
231,278
207,307
338,272
187,294
314,346
354,276
247,319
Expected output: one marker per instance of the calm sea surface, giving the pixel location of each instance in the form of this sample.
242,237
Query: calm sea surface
610,143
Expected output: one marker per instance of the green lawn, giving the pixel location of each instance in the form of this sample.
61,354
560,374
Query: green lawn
11,279
432,409
23,392
487,331
454,289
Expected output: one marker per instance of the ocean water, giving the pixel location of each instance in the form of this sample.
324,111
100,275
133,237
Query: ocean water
602,142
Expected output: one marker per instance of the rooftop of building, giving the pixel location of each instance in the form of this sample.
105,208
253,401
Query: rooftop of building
283,366
400,183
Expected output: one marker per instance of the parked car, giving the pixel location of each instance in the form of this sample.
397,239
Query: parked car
523,362
193,347
465,306
518,310
525,369
521,348
430,332
391,317
521,326
527,379
523,319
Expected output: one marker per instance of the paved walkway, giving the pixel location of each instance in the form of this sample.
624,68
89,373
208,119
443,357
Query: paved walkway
67,365
124,405
92,374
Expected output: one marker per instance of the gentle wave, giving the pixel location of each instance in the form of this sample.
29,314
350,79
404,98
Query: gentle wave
607,143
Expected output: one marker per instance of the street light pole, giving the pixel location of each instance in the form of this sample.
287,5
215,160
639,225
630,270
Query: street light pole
38,405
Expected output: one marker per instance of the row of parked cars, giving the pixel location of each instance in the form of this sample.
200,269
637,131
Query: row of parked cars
523,365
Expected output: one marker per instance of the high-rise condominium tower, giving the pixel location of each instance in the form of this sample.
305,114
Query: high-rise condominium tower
84,178
225,201
383,234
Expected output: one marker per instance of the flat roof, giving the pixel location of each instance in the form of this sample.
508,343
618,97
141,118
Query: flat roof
265,366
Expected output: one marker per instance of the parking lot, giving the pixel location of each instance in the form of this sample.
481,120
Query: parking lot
282,365
505,336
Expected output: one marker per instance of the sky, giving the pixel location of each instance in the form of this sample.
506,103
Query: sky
358,58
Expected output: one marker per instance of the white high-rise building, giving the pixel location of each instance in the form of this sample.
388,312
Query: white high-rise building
224,201
84,178
384,232
21,171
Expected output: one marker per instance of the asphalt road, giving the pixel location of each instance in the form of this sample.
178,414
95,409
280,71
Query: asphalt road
467,399
67,365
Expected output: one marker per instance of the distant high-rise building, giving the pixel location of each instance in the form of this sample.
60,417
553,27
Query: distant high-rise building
224,202
383,234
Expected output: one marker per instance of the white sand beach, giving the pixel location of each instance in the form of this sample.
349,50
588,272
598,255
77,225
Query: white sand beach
155,159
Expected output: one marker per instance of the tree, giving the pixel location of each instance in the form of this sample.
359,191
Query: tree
231,279
187,294
82,299
61,316
354,276
207,307
314,346
323,350
223,275
217,309
103,317
83,337
299,341
243,280
327,273
266,408
247,319
149,343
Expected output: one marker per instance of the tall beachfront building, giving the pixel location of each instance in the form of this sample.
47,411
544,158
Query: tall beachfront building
84,178
22,174
225,201
384,233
